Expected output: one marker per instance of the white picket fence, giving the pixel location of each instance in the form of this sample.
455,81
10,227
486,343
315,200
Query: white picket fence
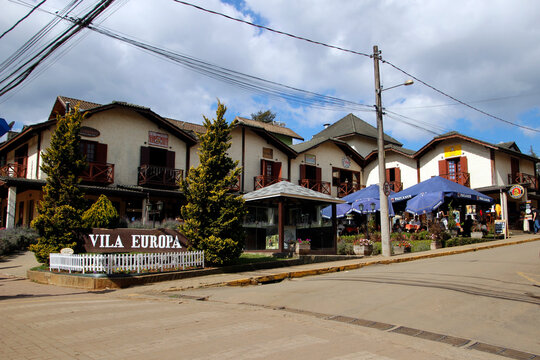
115,263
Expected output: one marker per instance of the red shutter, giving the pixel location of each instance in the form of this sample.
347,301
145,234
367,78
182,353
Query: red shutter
463,177
398,174
170,160
263,167
387,174
318,174
145,155
302,172
464,166
276,170
101,153
443,167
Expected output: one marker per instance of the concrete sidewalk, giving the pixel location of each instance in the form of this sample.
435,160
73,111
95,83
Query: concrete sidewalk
16,266
277,274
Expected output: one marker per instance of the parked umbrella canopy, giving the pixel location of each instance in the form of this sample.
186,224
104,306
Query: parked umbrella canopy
366,196
447,187
425,202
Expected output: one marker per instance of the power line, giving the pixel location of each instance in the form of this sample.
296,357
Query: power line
23,71
358,53
470,102
273,30
22,19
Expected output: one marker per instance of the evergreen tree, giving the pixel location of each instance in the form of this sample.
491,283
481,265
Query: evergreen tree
213,216
264,116
102,214
59,222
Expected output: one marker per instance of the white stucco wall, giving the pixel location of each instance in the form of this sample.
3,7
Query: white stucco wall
253,154
503,167
478,162
125,131
392,160
361,144
327,155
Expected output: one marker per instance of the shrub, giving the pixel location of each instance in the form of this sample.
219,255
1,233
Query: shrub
345,248
138,224
101,214
220,251
16,239
170,224
459,241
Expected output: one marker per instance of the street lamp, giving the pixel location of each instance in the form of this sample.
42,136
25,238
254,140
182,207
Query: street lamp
383,185
150,210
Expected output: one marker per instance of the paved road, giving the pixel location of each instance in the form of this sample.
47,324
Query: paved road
491,296
48,322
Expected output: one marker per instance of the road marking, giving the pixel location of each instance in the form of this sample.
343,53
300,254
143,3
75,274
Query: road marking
529,278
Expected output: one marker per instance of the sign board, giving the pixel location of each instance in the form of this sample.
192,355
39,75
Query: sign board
452,151
500,227
516,192
346,162
87,131
67,251
134,240
158,139
387,188
268,153
310,159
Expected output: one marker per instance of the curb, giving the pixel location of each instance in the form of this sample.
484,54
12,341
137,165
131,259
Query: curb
266,279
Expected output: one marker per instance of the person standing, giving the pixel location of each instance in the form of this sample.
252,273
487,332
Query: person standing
536,220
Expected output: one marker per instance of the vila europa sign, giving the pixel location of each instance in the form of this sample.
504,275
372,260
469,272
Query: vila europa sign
134,240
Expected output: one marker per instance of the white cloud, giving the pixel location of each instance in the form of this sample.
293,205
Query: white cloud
471,50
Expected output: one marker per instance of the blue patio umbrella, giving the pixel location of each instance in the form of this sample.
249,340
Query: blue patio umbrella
447,187
425,202
370,192
370,205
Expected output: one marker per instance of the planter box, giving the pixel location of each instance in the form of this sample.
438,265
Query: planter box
363,249
398,250
476,234
302,249
435,244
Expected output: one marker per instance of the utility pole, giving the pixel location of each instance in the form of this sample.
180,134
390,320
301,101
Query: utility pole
383,198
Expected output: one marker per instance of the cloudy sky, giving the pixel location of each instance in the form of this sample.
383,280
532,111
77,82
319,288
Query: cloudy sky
484,53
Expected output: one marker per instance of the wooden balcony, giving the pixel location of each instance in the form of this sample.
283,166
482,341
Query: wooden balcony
527,180
13,170
261,181
347,188
462,178
396,186
236,186
98,173
159,176
320,186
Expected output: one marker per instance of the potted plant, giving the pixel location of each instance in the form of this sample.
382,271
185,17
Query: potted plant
401,247
303,246
363,247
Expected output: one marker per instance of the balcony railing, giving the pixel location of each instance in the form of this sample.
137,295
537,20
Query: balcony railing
347,188
396,186
13,170
523,179
462,178
98,173
261,181
236,186
320,186
159,176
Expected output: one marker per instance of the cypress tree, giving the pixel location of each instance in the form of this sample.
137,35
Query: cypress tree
102,214
59,221
213,216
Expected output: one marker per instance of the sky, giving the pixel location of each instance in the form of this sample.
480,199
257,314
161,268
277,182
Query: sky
484,53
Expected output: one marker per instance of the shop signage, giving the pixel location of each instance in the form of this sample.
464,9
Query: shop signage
346,162
451,151
134,240
87,131
158,139
310,159
516,192
268,153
